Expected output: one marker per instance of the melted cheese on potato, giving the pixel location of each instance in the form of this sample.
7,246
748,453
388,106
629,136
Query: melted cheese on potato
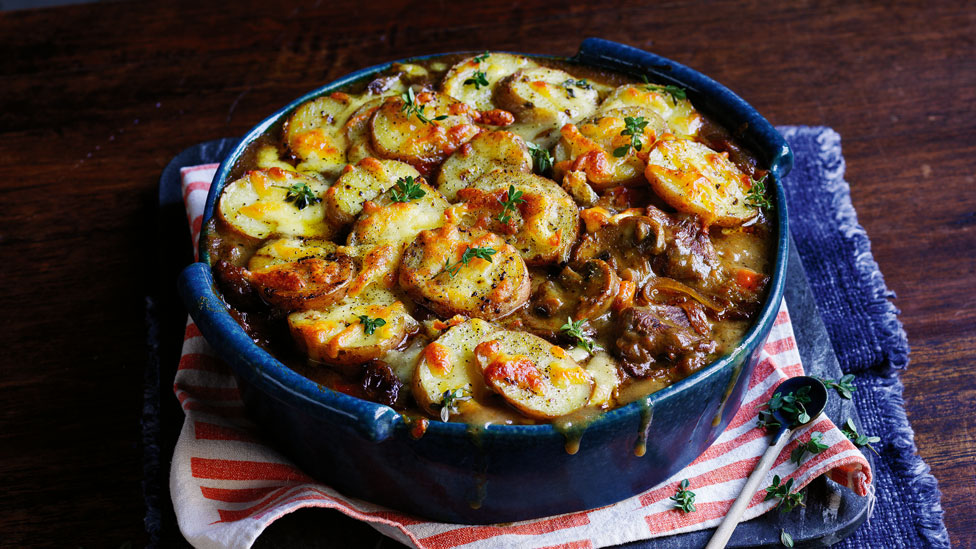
459,82
314,134
543,227
531,374
448,365
397,130
592,148
486,152
436,272
287,250
356,132
541,95
384,221
338,335
695,179
679,114
366,180
257,205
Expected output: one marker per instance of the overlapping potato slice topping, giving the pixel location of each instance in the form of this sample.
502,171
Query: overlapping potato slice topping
668,102
456,270
473,80
695,179
486,152
369,178
534,376
274,202
314,135
397,215
532,213
448,375
421,129
545,95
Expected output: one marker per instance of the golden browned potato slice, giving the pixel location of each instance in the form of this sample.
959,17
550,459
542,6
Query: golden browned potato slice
536,377
486,152
356,132
350,333
369,178
455,270
541,95
397,215
695,179
462,83
290,249
421,129
448,374
274,201
314,132
603,152
309,283
679,114
542,222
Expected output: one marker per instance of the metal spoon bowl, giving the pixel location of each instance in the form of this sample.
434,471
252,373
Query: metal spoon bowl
787,425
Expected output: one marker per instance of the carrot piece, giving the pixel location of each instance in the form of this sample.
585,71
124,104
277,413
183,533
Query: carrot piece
749,279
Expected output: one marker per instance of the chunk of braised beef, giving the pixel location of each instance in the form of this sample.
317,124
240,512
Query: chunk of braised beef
381,385
628,245
690,254
659,336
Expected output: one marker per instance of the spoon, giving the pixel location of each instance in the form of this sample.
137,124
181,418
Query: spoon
818,401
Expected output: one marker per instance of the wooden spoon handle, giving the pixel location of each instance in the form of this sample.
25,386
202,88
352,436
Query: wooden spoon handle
731,520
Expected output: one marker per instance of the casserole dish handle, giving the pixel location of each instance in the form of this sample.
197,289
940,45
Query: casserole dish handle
720,102
375,422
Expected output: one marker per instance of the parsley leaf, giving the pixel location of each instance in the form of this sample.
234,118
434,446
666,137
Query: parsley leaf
814,446
450,400
541,159
407,189
684,498
859,440
370,324
512,199
787,500
301,195
468,255
410,106
845,387
635,129
575,330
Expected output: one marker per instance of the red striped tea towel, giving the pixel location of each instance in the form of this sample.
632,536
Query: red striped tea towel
227,486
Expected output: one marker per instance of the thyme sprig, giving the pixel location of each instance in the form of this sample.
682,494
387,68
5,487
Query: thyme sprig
788,500
570,84
512,199
450,400
469,254
482,58
850,431
541,159
676,93
407,189
575,330
844,387
756,196
635,129
410,106
477,80
300,194
684,498
814,446
370,324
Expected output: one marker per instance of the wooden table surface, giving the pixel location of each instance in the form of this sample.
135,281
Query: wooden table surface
96,99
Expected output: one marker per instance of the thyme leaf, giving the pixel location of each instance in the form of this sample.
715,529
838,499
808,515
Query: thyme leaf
684,498
469,254
370,324
844,387
410,106
407,189
512,199
756,196
301,195
541,159
635,129
450,400
788,500
575,330
860,440
676,93
814,446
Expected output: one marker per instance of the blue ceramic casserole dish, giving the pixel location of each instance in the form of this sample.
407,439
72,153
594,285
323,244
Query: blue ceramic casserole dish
500,473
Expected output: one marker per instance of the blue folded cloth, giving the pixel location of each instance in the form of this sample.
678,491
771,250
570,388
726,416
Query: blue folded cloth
867,338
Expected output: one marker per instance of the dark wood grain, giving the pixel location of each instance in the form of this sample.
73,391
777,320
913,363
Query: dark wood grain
95,100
